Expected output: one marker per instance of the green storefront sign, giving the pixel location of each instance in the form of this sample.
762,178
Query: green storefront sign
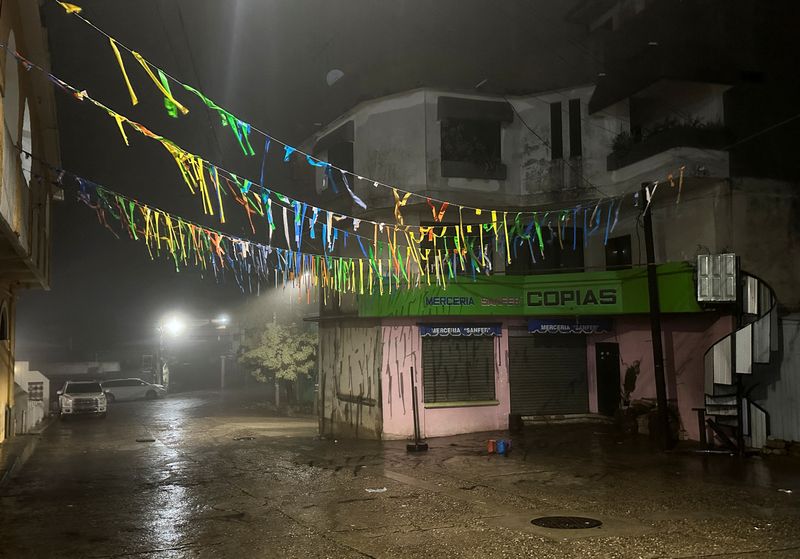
588,293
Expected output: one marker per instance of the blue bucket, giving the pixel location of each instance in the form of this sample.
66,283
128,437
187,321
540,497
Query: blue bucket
501,446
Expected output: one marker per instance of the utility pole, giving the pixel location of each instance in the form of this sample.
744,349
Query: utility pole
655,319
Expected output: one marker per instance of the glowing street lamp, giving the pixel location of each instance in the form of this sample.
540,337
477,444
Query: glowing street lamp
174,326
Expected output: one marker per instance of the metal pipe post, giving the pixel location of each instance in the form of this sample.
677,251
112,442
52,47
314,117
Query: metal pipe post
655,319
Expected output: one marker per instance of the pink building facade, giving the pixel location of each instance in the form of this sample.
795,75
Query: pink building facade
685,339
482,354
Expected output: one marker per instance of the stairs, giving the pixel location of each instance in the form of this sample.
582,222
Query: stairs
737,422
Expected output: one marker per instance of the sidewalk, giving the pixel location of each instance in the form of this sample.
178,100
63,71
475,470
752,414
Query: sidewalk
14,452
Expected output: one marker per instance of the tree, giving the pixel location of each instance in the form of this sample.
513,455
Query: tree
280,353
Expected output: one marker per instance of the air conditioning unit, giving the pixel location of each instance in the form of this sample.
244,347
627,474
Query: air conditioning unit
716,278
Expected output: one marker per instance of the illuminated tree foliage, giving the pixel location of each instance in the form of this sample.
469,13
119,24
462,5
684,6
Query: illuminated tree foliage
281,352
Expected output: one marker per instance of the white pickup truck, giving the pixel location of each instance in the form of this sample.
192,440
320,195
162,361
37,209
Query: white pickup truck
82,398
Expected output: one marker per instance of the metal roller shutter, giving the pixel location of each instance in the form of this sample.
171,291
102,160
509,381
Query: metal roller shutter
547,374
458,369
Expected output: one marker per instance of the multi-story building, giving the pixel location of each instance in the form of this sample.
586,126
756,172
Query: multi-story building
26,191
486,349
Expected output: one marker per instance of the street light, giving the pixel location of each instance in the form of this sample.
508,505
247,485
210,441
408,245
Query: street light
174,326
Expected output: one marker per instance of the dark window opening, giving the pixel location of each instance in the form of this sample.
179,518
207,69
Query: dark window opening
575,141
618,253
471,148
458,369
341,156
563,252
556,134
36,391
4,324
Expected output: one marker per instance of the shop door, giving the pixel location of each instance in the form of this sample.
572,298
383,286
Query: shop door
608,381
547,374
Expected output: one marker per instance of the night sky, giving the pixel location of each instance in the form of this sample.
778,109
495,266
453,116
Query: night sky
265,61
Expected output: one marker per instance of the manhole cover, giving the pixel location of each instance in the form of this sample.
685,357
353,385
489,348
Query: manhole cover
566,522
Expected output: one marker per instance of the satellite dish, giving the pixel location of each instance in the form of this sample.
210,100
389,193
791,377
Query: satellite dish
334,76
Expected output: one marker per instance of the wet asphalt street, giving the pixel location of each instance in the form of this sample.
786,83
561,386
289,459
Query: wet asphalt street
216,476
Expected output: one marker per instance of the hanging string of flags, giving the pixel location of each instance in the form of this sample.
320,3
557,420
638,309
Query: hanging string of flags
204,179
242,130
438,253
394,255
391,267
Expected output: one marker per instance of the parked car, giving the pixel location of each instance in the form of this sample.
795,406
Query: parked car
132,389
82,397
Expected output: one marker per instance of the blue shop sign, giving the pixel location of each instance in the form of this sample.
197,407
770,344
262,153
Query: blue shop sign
569,326
460,330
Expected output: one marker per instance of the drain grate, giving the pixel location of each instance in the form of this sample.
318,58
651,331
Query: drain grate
566,522
145,440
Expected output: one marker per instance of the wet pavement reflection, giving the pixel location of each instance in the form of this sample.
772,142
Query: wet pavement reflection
224,478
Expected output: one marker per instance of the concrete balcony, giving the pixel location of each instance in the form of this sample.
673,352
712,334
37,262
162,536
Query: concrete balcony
703,139
661,159
24,230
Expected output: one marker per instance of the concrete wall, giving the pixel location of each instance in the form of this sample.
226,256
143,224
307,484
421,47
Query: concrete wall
349,380
755,218
7,306
398,141
402,350
764,230
350,354
36,410
24,197
686,339
779,389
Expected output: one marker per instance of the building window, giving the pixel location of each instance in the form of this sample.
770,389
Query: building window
575,141
563,253
471,141
556,134
471,137
4,334
458,369
27,145
341,157
36,391
337,148
618,253
11,91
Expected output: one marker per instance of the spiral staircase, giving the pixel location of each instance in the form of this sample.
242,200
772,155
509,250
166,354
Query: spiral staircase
738,423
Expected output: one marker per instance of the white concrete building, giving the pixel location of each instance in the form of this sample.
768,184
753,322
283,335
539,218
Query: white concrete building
37,388
676,114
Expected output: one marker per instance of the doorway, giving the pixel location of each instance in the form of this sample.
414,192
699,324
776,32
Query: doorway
547,374
608,379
